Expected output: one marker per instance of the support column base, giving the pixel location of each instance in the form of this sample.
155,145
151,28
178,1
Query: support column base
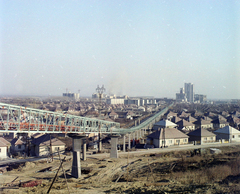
114,143
76,165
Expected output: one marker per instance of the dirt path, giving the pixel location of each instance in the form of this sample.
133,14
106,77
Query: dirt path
163,172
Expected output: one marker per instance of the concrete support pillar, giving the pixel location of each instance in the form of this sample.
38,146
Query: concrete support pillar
137,134
77,140
76,164
139,121
84,152
129,141
114,142
99,143
124,143
135,122
133,134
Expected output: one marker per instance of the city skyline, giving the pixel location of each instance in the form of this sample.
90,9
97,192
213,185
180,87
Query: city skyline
136,48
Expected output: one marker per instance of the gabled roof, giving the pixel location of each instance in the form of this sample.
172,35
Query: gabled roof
220,117
171,114
45,140
219,121
190,119
201,133
36,135
4,142
113,113
225,113
184,114
227,130
206,118
170,133
184,123
202,122
175,119
17,141
165,123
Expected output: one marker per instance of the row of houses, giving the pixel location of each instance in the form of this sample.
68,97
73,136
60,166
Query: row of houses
36,145
166,133
187,122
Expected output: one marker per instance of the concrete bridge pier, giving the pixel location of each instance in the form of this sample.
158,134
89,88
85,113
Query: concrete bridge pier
129,141
137,134
84,152
114,143
124,143
77,142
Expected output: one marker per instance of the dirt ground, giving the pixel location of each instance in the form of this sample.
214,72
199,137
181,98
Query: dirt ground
174,172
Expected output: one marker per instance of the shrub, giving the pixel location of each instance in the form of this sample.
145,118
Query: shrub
218,172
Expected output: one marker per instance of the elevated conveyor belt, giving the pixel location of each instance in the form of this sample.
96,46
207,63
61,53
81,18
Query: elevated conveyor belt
24,120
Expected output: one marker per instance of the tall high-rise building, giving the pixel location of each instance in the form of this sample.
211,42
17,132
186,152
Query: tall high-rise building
189,90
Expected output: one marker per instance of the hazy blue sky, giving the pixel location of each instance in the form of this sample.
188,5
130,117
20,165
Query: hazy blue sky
133,47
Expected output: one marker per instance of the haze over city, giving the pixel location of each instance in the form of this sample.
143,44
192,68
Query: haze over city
136,48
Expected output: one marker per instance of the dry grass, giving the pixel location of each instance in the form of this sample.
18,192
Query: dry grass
210,175
207,174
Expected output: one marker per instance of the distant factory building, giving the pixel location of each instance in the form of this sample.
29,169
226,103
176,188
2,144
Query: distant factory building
115,101
200,98
96,95
139,101
181,97
71,95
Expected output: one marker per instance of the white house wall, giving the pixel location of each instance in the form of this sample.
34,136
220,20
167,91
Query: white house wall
208,139
45,150
3,152
168,142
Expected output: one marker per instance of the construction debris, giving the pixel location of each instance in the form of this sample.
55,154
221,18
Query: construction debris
3,169
31,183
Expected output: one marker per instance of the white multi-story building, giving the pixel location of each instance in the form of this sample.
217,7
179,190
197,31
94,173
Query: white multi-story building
115,101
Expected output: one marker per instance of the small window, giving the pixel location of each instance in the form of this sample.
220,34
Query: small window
238,135
19,146
233,136
205,139
56,148
211,138
47,149
170,141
